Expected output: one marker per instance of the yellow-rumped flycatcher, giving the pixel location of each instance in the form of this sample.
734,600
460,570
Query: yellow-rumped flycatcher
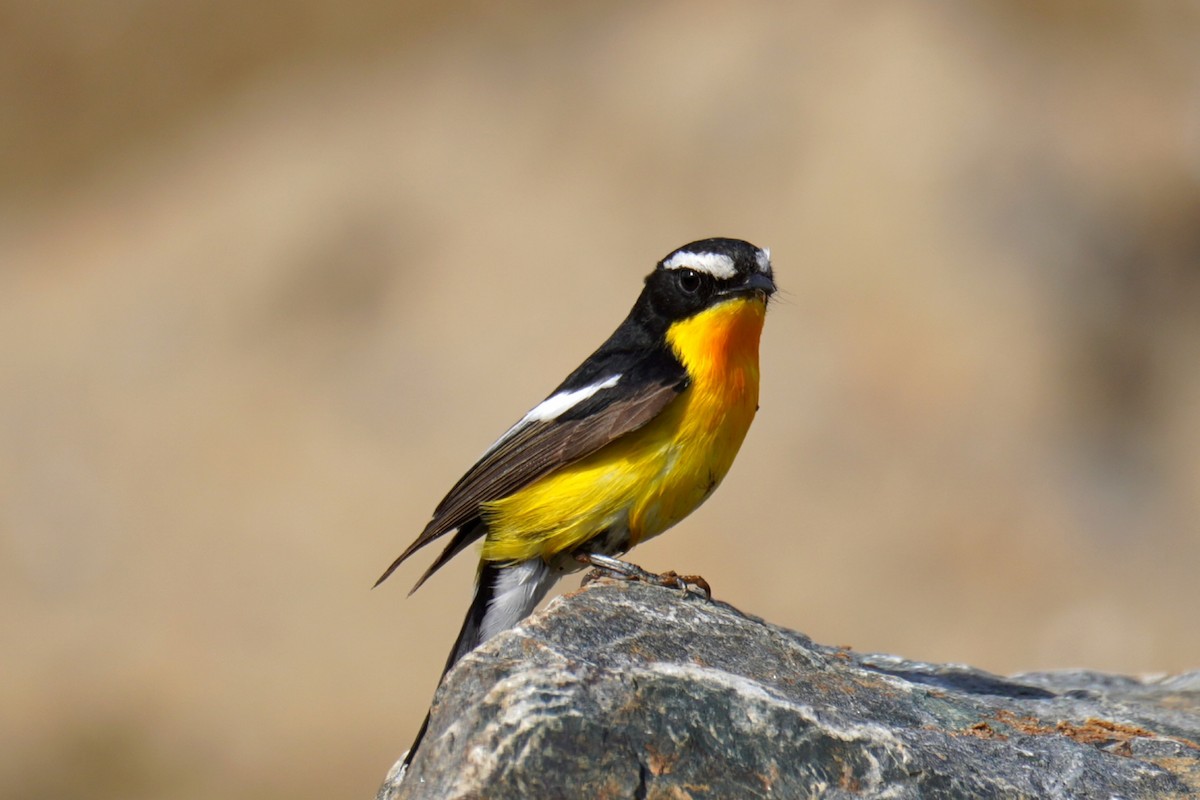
634,439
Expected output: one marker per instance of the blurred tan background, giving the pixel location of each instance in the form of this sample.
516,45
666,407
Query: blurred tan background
273,274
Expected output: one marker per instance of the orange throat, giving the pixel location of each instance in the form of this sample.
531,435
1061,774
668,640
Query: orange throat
719,348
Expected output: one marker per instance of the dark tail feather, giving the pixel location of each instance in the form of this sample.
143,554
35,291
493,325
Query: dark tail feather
468,637
412,751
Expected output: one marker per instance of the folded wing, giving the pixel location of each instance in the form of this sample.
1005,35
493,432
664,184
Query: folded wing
569,425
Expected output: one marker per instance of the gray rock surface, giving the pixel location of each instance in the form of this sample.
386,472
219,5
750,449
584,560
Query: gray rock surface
631,691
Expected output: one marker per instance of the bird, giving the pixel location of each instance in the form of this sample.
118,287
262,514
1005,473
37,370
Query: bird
634,440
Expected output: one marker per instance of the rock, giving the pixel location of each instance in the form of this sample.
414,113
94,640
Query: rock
631,691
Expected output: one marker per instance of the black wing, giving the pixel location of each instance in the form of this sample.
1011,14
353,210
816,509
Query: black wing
536,447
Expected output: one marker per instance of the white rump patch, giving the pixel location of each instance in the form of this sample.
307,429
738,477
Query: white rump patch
763,257
715,264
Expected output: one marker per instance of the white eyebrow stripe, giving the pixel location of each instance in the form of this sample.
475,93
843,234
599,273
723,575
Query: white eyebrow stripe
763,257
715,264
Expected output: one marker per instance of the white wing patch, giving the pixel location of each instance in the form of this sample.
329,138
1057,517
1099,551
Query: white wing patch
555,406
715,264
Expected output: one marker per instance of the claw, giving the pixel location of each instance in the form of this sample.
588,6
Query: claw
593,575
686,582
623,570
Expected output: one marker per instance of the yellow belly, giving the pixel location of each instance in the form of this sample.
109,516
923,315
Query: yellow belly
652,478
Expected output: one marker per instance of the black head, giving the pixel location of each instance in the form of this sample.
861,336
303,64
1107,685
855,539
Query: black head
707,272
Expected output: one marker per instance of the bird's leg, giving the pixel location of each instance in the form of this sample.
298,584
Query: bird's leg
616,568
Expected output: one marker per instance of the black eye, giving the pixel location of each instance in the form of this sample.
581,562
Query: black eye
689,281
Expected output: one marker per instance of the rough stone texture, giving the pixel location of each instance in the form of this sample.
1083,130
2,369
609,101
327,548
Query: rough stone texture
630,691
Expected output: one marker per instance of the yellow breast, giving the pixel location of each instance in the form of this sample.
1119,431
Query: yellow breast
650,479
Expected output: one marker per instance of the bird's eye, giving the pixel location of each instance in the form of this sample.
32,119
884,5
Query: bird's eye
689,281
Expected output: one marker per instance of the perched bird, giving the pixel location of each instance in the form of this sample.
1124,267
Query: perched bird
634,439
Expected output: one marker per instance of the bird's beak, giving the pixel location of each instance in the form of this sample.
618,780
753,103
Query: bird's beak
759,284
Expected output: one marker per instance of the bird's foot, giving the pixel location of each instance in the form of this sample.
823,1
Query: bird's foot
623,570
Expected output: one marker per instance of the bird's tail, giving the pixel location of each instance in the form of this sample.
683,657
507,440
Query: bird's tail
504,595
